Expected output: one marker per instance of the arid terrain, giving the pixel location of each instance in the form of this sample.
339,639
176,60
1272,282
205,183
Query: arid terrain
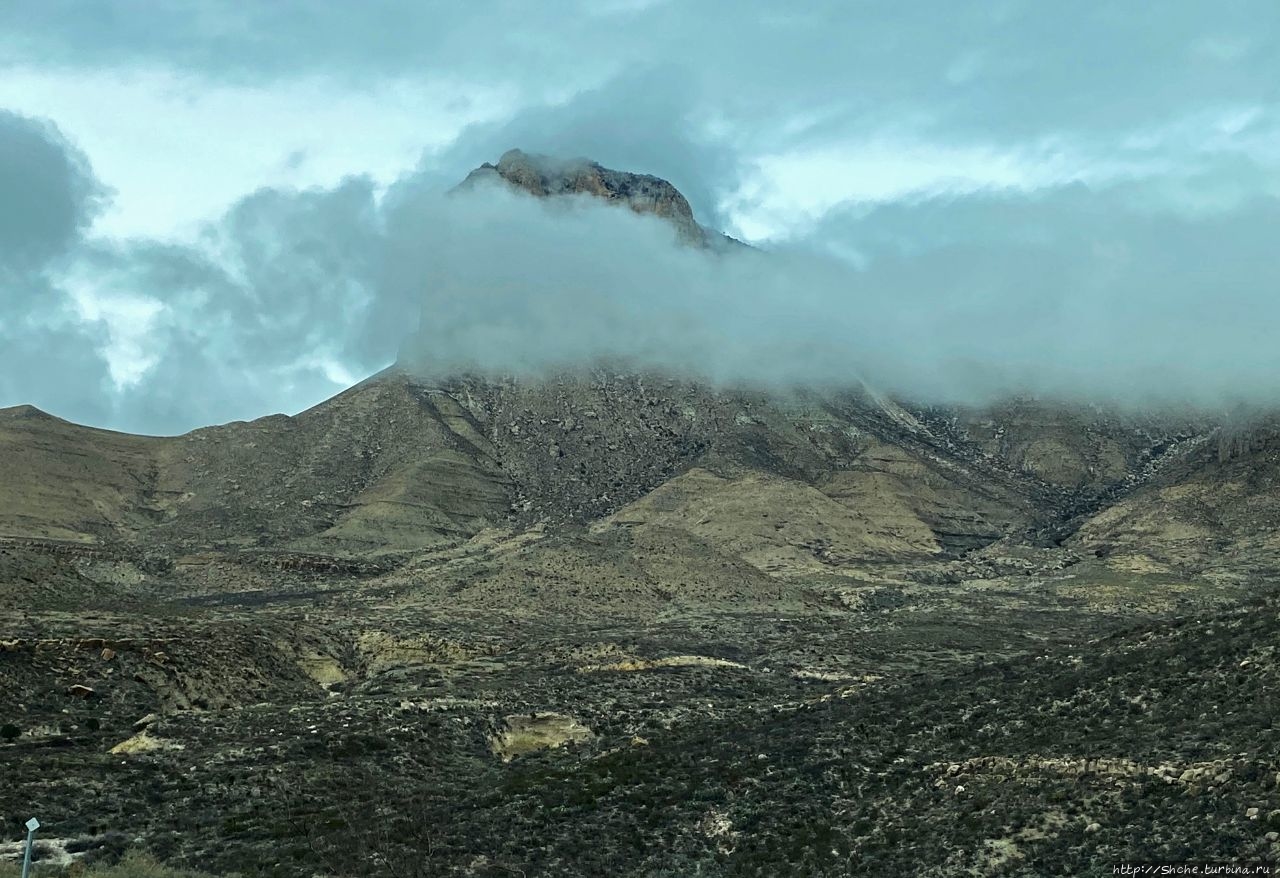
619,622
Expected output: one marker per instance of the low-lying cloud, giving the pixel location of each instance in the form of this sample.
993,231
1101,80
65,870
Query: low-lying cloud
1082,295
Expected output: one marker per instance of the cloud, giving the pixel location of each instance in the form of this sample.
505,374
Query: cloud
48,196
179,149
722,98
272,305
1009,64
272,308
59,369
47,189
1078,294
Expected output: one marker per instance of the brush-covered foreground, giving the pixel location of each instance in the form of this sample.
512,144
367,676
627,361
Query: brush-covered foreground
1037,724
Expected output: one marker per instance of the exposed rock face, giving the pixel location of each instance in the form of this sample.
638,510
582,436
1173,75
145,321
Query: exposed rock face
543,176
539,731
143,742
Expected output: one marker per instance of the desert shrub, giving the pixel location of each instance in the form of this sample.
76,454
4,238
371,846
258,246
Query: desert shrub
134,864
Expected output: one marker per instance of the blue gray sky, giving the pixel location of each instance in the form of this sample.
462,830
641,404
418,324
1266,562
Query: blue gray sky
213,210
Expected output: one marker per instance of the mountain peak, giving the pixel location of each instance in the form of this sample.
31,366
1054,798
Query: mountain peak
546,176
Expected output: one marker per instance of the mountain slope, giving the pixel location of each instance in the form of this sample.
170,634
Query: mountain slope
67,482
1215,510
399,463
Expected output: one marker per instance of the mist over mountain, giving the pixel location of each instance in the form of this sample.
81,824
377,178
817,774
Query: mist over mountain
518,285
1094,296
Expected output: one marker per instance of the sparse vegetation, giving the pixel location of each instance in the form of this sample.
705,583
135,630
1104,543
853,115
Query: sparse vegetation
134,864
1150,744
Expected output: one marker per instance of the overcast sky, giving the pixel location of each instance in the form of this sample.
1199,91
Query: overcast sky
213,210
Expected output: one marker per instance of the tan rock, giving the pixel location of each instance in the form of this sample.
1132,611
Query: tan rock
147,720
544,176
144,742
524,733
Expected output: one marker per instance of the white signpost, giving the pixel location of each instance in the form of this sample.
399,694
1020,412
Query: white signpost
32,825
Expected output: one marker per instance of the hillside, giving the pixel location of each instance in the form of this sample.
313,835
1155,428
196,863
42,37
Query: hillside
400,463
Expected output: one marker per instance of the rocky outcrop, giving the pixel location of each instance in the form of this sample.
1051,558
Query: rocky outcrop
544,176
537,731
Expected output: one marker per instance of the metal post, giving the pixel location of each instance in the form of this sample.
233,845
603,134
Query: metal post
32,825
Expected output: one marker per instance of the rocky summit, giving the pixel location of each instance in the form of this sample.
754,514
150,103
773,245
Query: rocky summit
619,622
544,176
